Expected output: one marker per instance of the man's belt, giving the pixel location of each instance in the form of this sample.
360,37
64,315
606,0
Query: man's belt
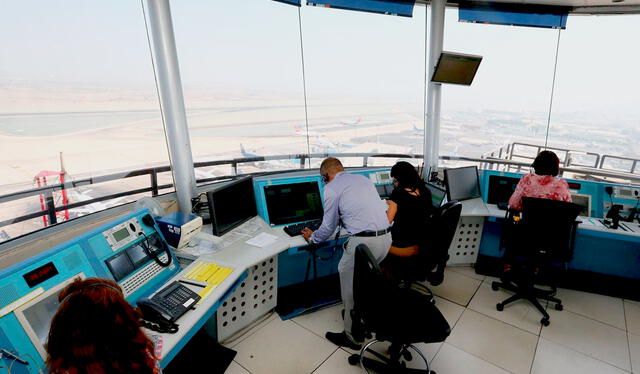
373,233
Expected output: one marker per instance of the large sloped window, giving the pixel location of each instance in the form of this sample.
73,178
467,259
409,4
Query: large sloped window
78,101
365,75
509,99
242,76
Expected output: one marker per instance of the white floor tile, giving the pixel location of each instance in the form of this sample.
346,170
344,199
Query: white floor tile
602,308
235,368
452,360
520,314
337,363
456,287
501,344
450,311
469,271
588,336
321,321
634,347
632,312
633,302
283,347
239,338
553,358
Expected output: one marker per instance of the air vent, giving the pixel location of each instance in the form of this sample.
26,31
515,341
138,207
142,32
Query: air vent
72,261
8,294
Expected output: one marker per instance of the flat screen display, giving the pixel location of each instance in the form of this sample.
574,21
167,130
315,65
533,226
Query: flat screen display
120,266
292,203
501,188
121,234
35,316
462,183
584,201
137,255
456,68
438,195
231,205
384,190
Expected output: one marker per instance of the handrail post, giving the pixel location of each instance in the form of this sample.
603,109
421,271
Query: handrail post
154,182
51,207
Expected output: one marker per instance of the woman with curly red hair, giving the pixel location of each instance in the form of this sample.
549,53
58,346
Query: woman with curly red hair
96,331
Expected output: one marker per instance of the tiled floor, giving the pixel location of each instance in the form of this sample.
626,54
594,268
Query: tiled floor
593,334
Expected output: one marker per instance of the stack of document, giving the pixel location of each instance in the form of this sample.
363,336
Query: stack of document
210,274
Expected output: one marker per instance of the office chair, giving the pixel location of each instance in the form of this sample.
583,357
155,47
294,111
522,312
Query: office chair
542,239
432,259
402,316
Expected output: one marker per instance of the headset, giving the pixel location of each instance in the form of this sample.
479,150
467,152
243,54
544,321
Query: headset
93,285
325,178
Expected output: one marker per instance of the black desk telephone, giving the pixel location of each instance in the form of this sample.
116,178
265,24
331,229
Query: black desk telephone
160,312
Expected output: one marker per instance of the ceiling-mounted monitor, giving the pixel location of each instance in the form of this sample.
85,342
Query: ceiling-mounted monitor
456,68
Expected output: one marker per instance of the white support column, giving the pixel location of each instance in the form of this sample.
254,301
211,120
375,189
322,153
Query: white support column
432,130
171,100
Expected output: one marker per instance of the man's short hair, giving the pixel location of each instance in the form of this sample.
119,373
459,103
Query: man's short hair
329,164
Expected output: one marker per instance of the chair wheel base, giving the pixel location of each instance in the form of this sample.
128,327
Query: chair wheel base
354,359
500,307
559,307
494,286
545,321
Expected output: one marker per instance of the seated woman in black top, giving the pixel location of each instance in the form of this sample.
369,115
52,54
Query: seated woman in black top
409,210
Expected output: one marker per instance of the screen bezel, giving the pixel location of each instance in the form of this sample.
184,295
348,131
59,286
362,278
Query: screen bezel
454,54
445,195
493,181
26,325
288,222
446,183
212,211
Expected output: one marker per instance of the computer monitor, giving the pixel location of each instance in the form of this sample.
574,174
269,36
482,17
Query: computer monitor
438,195
462,183
292,203
501,188
231,205
584,201
456,68
384,190
35,316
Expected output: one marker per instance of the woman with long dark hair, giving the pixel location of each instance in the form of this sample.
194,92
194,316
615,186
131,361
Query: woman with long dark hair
409,210
96,331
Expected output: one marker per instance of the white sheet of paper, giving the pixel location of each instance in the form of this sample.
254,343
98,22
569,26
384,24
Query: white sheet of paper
262,240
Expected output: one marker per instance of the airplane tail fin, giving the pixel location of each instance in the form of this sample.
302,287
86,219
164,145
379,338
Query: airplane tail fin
242,150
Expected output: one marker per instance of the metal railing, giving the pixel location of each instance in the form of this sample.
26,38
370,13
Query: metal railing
502,161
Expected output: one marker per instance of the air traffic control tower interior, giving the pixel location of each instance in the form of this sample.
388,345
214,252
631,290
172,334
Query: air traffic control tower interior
226,282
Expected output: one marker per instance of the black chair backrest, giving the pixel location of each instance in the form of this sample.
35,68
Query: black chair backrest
371,288
548,227
435,251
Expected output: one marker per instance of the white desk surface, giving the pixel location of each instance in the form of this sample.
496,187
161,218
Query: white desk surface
586,223
474,207
239,256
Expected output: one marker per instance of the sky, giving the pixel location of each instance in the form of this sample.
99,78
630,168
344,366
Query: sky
253,47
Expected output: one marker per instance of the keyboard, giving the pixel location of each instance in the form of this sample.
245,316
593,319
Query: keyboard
294,230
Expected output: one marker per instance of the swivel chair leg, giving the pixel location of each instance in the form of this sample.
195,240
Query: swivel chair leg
500,306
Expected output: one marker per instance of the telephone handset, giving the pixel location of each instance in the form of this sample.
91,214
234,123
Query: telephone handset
160,312
148,221
156,317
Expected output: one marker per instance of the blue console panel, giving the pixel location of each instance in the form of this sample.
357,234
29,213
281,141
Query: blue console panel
28,290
